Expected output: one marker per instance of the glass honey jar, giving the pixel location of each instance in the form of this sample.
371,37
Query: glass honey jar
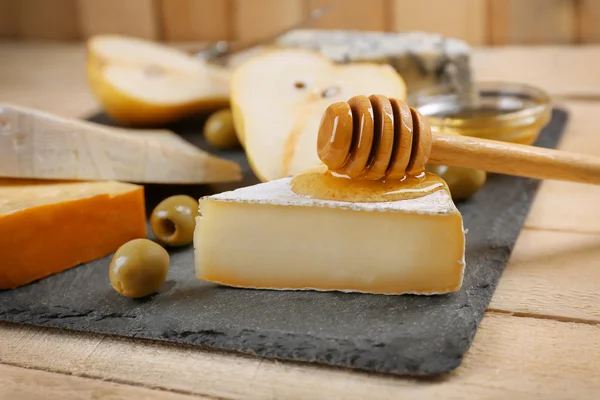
505,111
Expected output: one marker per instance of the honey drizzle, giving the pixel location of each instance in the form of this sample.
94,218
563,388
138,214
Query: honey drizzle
322,184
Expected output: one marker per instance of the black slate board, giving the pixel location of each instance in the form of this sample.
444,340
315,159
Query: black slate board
404,335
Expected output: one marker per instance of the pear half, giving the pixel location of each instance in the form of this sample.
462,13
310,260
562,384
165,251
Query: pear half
278,99
142,83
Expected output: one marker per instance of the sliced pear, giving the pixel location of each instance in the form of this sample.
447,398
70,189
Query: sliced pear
279,97
141,83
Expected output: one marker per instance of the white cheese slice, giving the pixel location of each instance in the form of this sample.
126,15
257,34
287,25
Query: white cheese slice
268,237
39,145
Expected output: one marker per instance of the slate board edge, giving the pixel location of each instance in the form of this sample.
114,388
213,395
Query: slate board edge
354,357
359,360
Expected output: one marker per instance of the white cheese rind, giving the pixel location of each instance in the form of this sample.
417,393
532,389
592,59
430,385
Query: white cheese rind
279,193
267,237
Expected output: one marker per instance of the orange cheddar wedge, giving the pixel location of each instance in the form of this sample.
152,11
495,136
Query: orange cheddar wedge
49,226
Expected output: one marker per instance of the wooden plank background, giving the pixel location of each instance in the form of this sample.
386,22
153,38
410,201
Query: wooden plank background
479,22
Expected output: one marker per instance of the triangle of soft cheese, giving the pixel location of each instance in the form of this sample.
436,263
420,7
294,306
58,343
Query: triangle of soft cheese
35,144
266,236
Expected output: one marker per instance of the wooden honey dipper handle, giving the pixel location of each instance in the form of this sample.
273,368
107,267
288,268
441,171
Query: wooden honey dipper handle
377,137
513,159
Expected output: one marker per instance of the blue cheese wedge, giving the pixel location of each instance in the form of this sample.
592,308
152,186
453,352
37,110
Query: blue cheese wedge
268,237
423,59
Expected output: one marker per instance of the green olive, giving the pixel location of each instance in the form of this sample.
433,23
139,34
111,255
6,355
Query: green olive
173,220
138,268
462,182
219,130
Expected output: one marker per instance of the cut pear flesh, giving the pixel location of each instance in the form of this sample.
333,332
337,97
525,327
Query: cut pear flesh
138,81
279,98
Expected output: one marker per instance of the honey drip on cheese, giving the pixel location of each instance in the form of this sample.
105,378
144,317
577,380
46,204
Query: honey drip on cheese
322,184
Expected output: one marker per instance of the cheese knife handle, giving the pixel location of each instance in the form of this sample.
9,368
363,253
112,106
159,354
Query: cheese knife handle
513,159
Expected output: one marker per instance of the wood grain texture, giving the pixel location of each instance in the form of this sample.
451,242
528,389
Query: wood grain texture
49,76
510,355
463,19
43,19
137,18
588,16
514,159
562,71
532,21
185,20
29,384
566,206
570,206
257,19
352,14
583,131
554,274
8,25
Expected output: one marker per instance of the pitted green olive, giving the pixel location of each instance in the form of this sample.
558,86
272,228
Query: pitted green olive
173,220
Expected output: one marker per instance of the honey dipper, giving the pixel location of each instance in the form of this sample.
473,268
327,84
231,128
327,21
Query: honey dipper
378,137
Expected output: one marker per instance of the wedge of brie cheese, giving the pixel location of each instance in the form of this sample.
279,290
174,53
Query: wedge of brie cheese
266,236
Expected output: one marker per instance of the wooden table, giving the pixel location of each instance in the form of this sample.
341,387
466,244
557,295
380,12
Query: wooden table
540,337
